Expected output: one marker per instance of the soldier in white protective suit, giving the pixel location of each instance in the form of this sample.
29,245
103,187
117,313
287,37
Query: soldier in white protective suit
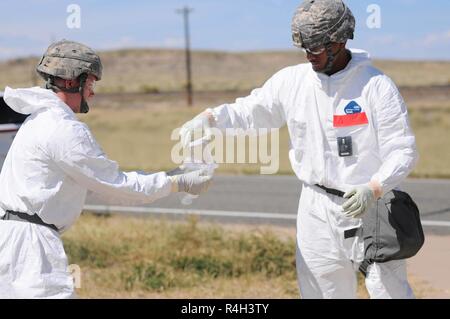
351,143
53,162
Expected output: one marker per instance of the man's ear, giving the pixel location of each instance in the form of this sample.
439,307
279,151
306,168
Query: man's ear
68,84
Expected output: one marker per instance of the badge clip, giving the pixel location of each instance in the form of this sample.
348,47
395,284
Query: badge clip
345,146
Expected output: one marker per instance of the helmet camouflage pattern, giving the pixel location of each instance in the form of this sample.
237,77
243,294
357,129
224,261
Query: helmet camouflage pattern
319,22
68,60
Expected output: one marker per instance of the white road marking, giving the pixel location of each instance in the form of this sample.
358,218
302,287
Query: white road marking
426,181
220,213
217,213
435,223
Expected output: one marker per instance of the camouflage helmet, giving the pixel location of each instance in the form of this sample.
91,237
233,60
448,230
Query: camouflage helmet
68,60
319,22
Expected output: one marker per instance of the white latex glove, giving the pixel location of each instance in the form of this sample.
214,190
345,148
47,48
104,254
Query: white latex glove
360,200
187,168
194,183
202,122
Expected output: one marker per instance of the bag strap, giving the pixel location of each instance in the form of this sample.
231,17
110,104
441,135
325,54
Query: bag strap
350,233
364,265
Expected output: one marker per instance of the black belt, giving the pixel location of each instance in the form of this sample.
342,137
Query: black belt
331,191
23,217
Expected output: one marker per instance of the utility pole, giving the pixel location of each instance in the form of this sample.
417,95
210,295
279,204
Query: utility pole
185,12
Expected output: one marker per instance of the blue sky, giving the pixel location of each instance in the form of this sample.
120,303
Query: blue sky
410,29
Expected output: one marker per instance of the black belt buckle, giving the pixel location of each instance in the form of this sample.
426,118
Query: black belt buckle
345,146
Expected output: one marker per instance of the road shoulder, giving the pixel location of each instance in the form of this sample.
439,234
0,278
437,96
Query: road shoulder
431,267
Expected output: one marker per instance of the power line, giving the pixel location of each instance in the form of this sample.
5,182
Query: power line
185,12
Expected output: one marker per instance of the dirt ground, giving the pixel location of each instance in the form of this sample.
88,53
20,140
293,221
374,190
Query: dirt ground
431,266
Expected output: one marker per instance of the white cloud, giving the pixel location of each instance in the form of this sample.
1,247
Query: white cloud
436,38
7,53
126,42
408,2
123,42
13,33
173,42
131,42
4,51
387,39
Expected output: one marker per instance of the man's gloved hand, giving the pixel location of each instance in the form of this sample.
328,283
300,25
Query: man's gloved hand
204,121
194,183
360,200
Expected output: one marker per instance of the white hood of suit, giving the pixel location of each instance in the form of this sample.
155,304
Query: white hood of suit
31,100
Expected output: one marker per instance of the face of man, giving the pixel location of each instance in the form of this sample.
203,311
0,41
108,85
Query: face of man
74,99
89,87
318,56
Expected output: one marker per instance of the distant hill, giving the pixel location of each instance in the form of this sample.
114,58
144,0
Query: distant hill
154,70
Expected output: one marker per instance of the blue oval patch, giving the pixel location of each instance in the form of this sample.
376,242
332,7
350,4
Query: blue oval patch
353,108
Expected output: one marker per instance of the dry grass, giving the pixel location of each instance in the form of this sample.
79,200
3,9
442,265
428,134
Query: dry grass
125,257
149,70
432,129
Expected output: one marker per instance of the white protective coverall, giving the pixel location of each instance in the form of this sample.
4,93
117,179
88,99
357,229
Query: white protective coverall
361,102
52,163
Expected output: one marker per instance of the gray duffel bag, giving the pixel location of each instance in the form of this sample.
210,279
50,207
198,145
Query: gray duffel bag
393,232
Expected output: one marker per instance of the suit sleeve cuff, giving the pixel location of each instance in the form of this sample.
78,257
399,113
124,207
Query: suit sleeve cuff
174,184
376,188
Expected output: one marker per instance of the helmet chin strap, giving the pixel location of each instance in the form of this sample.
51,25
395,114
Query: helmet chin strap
84,107
330,58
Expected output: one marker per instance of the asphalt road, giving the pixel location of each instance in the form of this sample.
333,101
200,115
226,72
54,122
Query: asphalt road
274,200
